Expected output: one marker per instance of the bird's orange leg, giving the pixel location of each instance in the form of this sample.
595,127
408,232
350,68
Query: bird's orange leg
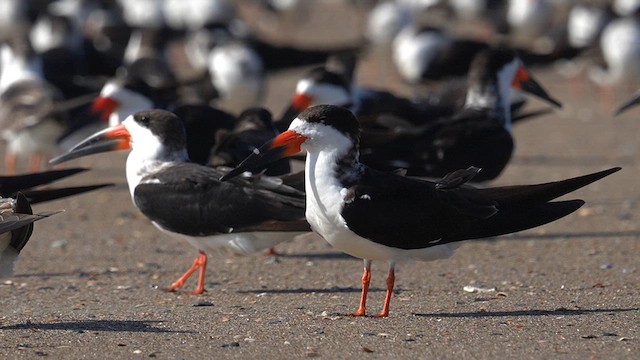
34,163
199,263
366,280
391,279
10,162
271,252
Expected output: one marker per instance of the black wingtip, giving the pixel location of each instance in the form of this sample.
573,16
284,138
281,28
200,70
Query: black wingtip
38,196
12,184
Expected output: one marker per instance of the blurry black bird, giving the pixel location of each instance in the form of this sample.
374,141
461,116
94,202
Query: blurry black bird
16,227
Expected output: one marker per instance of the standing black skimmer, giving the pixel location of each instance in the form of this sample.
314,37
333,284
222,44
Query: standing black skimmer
383,216
29,125
16,227
186,199
620,49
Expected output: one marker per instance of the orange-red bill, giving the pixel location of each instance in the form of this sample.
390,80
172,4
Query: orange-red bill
110,139
525,82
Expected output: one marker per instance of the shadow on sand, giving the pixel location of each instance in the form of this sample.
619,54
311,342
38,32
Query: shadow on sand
534,312
145,326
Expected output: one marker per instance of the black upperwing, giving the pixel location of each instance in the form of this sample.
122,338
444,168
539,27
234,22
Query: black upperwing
188,198
411,214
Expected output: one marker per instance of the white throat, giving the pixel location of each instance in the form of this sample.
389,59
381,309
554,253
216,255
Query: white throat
148,155
498,99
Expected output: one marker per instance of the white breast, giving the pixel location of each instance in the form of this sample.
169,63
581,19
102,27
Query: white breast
324,205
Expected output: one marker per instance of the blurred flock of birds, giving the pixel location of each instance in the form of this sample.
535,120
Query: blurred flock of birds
79,76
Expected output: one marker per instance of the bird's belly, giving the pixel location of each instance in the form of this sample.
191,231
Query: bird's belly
238,243
39,138
348,242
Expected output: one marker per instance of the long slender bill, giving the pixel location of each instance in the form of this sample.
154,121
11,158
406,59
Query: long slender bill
525,82
286,144
110,139
635,99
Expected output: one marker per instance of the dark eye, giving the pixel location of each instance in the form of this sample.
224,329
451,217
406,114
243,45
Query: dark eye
144,120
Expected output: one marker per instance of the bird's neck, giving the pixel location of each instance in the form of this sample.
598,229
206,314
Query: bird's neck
140,165
326,175
490,98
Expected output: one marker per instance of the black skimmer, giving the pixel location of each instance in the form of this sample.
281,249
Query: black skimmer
423,53
529,19
187,200
480,134
383,216
142,14
190,15
29,125
432,140
386,20
16,227
237,73
585,23
206,126
325,85
621,53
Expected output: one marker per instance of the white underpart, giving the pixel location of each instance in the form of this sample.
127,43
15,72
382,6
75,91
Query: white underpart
323,93
238,243
134,49
620,44
584,24
237,73
40,138
412,52
476,98
625,7
195,14
15,68
468,9
530,17
142,13
385,21
129,102
147,154
12,13
326,197
43,37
